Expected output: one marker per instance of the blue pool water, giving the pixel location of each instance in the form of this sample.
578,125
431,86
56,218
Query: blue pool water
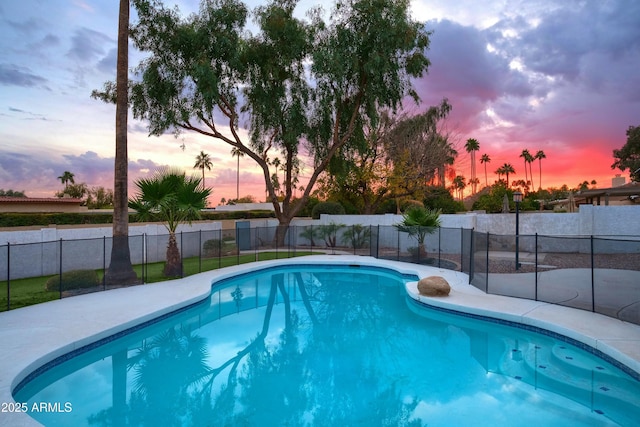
329,346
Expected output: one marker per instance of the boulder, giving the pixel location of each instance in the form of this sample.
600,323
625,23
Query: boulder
434,286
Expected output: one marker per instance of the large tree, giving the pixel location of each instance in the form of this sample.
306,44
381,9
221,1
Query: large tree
628,157
120,271
400,156
304,87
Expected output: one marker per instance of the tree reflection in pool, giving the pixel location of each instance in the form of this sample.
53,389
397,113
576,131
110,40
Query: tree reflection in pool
329,345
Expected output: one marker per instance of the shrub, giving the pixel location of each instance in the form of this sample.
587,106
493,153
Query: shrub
74,279
408,204
388,206
357,236
214,248
329,233
441,198
11,219
331,208
419,222
310,233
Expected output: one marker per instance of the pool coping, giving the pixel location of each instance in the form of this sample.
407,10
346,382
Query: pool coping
33,336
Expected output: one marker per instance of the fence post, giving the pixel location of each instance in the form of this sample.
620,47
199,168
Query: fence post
461,249
200,250
8,276
486,285
256,244
294,235
145,258
353,235
104,262
536,270
181,256
593,282
60,267
439,246
471,252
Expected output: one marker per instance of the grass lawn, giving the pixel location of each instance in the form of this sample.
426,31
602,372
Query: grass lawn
24,292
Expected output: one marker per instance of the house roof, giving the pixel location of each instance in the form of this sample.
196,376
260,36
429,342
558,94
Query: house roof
630,189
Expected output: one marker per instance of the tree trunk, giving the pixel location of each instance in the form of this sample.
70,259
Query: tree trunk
120,271
281,231
173,267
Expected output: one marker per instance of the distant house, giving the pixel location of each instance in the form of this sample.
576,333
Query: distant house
627,194
41,205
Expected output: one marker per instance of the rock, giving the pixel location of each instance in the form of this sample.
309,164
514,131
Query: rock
434,286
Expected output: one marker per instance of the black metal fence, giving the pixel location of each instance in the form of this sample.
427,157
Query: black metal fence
596,274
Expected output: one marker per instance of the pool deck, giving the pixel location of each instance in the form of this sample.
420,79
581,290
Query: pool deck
32,336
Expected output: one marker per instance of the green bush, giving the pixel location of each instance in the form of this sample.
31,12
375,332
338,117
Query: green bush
440,198
408,204
331,208
44,219
214,248
388,206
329,232
74,279
357,236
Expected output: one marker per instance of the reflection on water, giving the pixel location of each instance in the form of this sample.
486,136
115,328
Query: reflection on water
332,346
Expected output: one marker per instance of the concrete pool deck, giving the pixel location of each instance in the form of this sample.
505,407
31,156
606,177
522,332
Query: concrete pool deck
31,337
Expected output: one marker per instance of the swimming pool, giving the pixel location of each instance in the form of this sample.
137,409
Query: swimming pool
321,345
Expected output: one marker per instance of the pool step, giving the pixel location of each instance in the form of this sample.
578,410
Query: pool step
576,376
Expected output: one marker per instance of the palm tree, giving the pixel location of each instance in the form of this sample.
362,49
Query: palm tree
472,146
66,178
506,169
172,197
485,159
525,156
540,155
120,270
419,221
521,184
474,182
203,161
459,185
237,153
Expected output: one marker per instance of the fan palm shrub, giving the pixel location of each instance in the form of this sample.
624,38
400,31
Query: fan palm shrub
173,198
418,222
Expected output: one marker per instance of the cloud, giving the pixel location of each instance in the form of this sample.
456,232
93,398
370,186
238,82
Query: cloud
463,67
47,43
31,116
37,173
27,26
108,63
15,75
88,44
469,74
557,43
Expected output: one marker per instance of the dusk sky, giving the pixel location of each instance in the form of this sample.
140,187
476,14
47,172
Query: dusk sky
560,76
